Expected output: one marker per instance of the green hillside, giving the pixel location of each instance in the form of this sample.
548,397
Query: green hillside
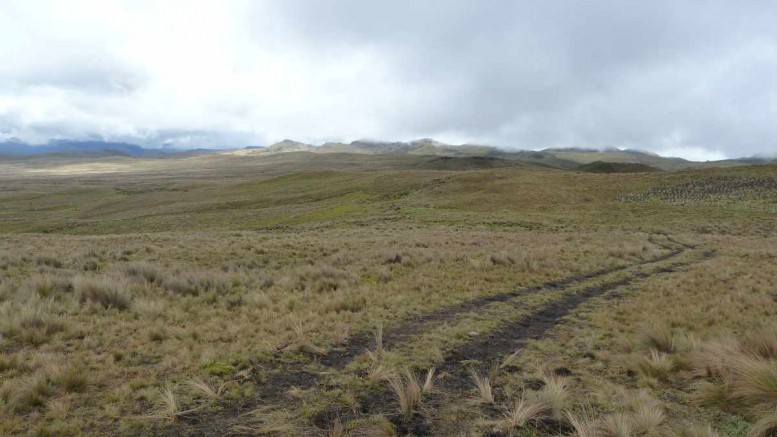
616,167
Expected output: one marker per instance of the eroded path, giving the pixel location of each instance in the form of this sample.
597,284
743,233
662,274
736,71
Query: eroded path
521,318
512,337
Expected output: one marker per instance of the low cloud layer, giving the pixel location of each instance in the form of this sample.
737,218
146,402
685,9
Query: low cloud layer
696,78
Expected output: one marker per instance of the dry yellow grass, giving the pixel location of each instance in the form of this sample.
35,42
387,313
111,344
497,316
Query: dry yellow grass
257,290
708,332
408,390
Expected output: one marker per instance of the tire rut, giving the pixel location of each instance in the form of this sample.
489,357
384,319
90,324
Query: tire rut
294,375
508,339
416,324
513,336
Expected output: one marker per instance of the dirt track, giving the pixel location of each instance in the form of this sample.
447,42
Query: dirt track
506,339
510,337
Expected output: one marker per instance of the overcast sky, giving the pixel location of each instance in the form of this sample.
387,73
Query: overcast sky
687,78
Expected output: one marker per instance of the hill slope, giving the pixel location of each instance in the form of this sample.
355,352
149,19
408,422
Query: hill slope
568,159
77,148
616,167
627,156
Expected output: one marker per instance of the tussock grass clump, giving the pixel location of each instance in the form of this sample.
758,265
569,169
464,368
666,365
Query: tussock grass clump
302,341
713,358
523,413
657,365
264,422
754,381
640,415
157,333
350,302
662,338
90,265
518,259
394,258
377,354
376,374
73,379
741,377
501,259
483,385
555,394
50,261
712,394
322,278
149,308
750,380
32,392
340,334
765,426
168,406
584,424
617,425
33,323
336,429
429,380
59,409
6,392
5,290
47,285
646,413
144,271
106,291
407,389
761,342
648,417
527,262
209,391
194,283
10,362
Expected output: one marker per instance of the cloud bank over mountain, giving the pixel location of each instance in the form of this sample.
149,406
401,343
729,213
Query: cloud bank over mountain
695,79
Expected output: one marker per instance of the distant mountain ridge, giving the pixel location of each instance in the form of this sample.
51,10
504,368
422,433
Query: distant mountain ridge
566,158
563,158
87,148
425,146
73,147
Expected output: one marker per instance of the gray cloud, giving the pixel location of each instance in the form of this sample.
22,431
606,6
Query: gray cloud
690,77
96,73
650,75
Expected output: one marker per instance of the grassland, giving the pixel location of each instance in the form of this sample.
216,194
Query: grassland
336,294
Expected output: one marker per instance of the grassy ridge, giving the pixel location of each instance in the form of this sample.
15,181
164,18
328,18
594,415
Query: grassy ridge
142,201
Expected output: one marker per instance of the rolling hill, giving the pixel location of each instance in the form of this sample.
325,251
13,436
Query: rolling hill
92,148
616,167
567,159
629,156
